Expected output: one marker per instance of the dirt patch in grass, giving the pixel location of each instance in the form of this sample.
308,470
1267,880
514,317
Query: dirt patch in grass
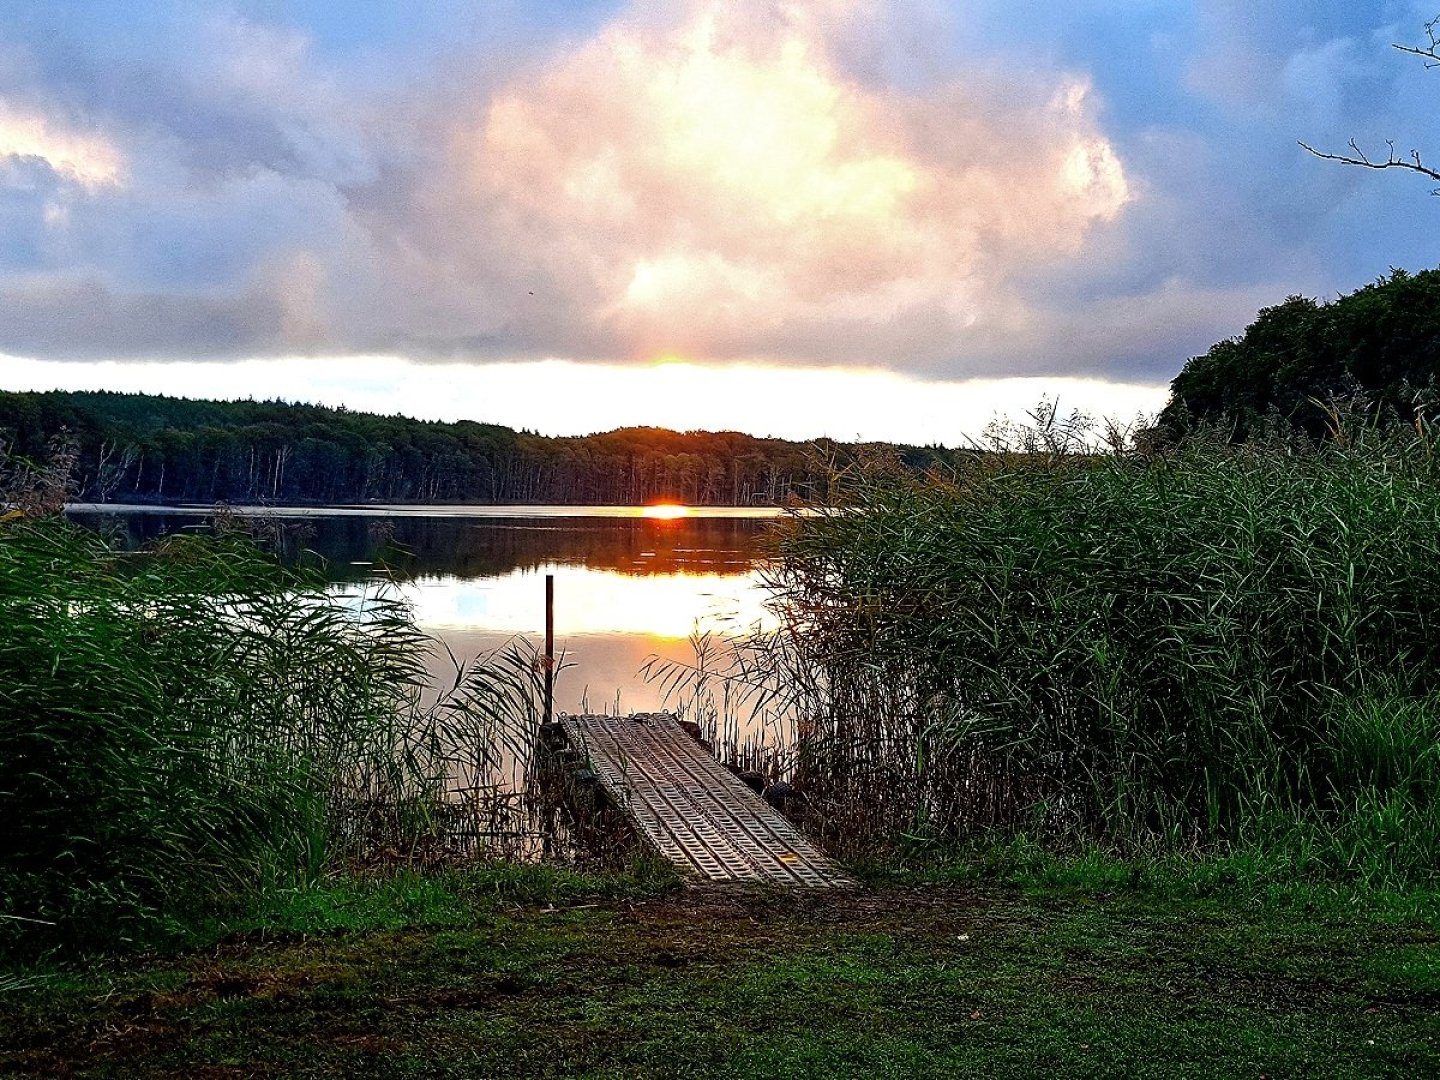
952,980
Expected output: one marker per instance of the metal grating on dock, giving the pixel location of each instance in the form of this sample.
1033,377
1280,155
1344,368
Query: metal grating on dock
694,811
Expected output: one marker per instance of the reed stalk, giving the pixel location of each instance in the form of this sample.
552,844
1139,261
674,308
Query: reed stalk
1212,646
182,727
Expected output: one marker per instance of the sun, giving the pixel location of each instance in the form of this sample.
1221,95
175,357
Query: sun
666,511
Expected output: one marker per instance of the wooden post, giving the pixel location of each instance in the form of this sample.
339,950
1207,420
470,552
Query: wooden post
549,647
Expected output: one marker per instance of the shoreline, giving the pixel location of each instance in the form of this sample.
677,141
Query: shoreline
461,510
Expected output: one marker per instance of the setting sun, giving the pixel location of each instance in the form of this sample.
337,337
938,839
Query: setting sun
666,511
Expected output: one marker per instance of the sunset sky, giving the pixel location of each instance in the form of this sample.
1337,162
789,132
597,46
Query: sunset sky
845,217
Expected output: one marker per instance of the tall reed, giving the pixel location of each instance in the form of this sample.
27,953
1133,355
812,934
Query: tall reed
1212,645
181,727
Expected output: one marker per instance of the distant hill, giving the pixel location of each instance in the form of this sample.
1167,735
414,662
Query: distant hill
156,449
1380,345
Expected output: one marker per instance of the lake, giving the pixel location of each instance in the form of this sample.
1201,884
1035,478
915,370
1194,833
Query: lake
629,585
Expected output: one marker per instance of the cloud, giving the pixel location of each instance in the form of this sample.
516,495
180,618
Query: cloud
88,160
715,181
717,186
882,183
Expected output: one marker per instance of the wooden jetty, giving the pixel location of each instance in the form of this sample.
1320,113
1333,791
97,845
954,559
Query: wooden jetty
693,810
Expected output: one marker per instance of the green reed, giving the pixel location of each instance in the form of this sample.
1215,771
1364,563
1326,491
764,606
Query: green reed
1213,645
184,727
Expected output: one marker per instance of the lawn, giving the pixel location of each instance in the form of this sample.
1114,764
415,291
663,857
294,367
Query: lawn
419,978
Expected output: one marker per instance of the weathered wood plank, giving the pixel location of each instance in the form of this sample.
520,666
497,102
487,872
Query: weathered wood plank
693,810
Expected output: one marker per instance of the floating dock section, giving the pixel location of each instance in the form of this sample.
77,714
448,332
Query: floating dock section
692,809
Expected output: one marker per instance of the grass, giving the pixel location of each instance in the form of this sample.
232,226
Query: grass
539,973
1246,878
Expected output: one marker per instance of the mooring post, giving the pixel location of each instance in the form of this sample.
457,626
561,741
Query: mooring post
549,647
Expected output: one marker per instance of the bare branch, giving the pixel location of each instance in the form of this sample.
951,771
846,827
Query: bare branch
1429,53
1413,163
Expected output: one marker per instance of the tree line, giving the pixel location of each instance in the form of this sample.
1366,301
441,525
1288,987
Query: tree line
1378,347
155,449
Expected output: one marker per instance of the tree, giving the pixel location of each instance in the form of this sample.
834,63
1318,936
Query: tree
1412,162
1378,347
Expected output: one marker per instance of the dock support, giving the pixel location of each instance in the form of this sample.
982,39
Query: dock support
549,661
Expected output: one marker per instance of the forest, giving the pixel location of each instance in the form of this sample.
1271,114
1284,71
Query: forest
141,448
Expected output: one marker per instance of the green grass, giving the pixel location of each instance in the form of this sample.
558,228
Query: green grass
593,976
443,898
1246,878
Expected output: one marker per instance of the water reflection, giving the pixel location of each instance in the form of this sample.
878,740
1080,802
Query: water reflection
469,547
591,601
627,587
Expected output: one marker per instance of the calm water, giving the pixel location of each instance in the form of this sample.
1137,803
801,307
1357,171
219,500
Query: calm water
627,587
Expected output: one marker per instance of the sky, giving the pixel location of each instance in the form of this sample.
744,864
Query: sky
854,218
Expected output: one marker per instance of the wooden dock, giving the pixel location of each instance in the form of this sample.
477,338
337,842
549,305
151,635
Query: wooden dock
692,809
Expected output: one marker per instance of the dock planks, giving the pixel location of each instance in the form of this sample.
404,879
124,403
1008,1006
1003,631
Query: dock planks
693,810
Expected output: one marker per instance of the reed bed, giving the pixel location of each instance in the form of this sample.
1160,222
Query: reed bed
185,727
1214,646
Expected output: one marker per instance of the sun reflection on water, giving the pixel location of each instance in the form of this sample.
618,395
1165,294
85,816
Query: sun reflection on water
591,601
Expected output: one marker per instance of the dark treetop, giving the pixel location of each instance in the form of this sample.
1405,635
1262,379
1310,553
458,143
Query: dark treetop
1380,345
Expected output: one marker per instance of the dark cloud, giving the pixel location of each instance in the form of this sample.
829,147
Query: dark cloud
96,323
1102,191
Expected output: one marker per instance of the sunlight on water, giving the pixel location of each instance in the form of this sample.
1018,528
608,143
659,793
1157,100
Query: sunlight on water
662,511
629,585
591,601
